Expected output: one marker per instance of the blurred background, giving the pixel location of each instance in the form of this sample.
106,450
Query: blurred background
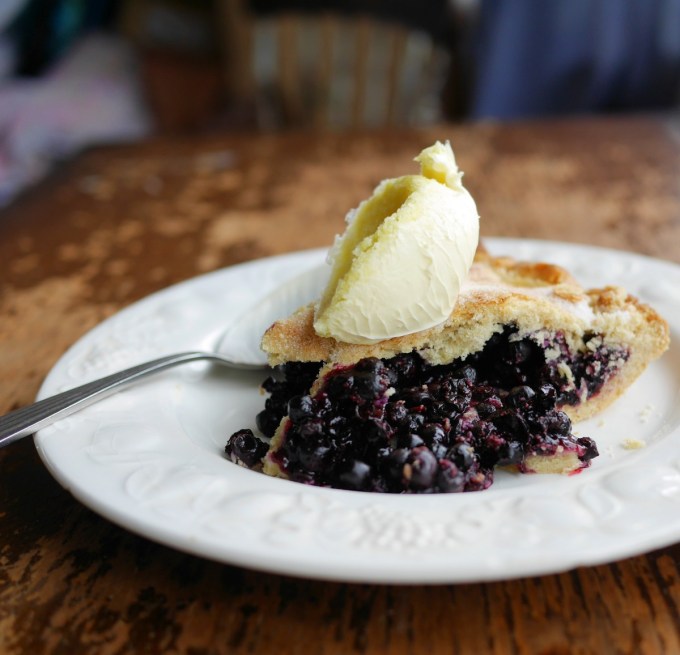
77,73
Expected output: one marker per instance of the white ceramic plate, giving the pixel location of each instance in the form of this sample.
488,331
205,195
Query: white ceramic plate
150,458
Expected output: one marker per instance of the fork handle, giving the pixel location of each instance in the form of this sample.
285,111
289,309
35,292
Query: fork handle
29,419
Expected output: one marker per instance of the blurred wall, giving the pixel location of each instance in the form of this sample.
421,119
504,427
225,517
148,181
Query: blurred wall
535,58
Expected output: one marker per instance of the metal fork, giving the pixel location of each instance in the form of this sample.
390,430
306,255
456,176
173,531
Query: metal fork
27,420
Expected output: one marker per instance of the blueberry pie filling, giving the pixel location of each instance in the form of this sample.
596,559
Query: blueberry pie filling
404,425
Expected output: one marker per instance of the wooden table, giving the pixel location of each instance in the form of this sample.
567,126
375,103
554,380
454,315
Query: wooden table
118,223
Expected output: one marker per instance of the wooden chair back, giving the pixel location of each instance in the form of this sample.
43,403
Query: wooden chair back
332,72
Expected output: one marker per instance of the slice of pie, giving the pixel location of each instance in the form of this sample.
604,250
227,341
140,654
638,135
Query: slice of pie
525,351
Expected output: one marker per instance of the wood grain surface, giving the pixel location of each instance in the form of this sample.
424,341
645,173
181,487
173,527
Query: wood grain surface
115,224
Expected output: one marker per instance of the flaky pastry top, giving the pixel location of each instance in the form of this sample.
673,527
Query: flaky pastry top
499,292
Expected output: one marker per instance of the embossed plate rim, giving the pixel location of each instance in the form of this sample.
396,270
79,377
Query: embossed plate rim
151,478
